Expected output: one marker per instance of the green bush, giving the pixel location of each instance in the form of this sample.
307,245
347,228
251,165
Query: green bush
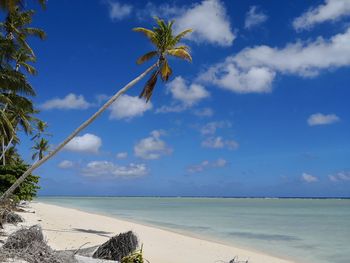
10,173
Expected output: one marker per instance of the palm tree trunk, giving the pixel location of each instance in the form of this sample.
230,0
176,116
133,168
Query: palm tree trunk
3,151
6,148
72,135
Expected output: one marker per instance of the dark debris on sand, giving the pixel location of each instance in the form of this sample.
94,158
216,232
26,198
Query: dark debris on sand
28,244
117,247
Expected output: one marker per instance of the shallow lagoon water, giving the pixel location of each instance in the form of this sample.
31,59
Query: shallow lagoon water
306,230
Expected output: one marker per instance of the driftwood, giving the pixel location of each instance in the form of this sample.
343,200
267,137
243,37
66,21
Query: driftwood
117,247
28,244
9,217
235,260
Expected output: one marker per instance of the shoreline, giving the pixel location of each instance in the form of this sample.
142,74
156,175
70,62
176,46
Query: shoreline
179,232
66,227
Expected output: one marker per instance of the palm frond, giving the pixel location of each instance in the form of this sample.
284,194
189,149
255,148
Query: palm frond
166,71
180,53
147,32
146,57
181,35
149,87
35,32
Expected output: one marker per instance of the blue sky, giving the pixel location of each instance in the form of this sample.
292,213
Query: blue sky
263,109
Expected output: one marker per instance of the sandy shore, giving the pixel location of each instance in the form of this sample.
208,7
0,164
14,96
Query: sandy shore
67,228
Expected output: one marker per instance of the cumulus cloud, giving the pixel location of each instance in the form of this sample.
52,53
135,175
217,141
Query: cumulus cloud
69,102
218,31
308,178
254,17
204,112
254,69
219,142
211,127
118,11
105,168
330,10
184,95
65,164
228,75
322,119
340,177
219,163
152,147
122,155
128,107
187,94
88,143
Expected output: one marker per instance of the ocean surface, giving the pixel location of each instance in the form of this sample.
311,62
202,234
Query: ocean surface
306,230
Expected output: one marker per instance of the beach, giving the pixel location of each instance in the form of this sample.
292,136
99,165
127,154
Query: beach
68,228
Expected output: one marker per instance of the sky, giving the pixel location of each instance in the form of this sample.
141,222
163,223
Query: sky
263,109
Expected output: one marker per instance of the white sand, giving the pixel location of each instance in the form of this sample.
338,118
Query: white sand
67,228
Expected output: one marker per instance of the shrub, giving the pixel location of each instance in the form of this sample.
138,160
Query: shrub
10,173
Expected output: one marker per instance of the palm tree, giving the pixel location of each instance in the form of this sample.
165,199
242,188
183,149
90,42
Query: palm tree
16,28
41,127
20,113
165,44
40,148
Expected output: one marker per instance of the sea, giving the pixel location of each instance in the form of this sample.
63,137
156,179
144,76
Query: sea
304,230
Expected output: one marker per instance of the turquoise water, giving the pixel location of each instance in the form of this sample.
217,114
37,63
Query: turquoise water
306,230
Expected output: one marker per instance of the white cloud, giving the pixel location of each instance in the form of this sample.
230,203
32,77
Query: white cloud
308,178
105,168
172,108
88,143
65,164
118,11
254,18
340,177
188,95
122,155
184,96
216,31
331,10
322,119
205,112
165,11
70,102
211,127
254,69
152,147
129,107
219,143
219,163
228,75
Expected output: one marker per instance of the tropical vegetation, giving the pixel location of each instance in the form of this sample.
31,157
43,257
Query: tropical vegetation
18,115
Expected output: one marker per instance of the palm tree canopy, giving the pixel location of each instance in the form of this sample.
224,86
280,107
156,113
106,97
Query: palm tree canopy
166,44
16,27
40,148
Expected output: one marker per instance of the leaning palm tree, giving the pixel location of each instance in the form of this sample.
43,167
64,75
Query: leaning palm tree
165,44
